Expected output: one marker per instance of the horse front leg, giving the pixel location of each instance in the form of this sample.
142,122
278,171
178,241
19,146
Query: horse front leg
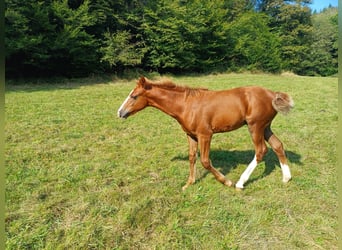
204,149
193,146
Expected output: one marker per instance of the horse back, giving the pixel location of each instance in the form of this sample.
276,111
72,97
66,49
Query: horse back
226,110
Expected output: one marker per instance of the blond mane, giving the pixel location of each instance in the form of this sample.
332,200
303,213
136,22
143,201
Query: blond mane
168,84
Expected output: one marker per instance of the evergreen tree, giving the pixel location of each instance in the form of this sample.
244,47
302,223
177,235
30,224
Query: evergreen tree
119,52
74,51
80,37
324,49
256,47
186,36
291,21
28,36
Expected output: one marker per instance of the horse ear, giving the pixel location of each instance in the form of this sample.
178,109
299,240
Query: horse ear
143,83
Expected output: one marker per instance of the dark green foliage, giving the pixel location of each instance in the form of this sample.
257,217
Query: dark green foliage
256,47
191,36
324,50
119,50
49,39
296,36
27,35
291,21
74,48
81,37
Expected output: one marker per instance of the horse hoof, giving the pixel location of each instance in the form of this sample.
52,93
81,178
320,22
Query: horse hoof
185,187
286,180
238,189
229,183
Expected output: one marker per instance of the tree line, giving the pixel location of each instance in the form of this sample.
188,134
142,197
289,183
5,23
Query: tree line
80,37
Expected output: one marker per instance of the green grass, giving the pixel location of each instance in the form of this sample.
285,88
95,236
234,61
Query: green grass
77,177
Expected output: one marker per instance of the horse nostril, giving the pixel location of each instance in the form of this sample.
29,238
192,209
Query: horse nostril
123,114
120,113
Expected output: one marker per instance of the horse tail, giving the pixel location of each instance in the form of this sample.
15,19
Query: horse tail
282,103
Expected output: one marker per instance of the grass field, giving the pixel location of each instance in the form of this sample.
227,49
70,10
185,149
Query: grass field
77,177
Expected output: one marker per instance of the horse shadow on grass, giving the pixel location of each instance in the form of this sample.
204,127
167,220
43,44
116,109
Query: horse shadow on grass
226,161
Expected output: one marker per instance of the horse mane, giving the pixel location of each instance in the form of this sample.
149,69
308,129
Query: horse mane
168,84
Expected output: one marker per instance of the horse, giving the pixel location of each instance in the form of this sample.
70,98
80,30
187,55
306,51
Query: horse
202,112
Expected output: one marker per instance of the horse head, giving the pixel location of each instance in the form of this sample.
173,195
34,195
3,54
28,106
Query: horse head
136,100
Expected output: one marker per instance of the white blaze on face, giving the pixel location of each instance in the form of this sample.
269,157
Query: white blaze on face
124,103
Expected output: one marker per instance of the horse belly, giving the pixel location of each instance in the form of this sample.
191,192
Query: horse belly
227,121
228,113
215,112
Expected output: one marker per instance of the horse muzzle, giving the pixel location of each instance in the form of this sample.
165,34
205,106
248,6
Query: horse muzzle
123,114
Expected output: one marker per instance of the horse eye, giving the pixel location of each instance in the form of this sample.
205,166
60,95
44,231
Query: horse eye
134,97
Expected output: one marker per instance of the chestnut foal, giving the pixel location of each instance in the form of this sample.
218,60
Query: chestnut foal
202,112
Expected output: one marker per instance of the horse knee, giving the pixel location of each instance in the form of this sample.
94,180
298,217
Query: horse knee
261,153
274,142
206,163
192,158
278,148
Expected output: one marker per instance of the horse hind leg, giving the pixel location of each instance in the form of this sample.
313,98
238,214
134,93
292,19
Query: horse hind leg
246,174
278,148
260,151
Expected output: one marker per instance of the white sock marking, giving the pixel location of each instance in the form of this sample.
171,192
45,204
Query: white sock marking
247,173
286,172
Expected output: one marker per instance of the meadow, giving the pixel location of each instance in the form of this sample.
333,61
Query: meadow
78,177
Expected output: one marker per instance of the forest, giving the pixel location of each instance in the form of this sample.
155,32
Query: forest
76,38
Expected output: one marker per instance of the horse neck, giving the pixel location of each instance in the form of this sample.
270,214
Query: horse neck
169,101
